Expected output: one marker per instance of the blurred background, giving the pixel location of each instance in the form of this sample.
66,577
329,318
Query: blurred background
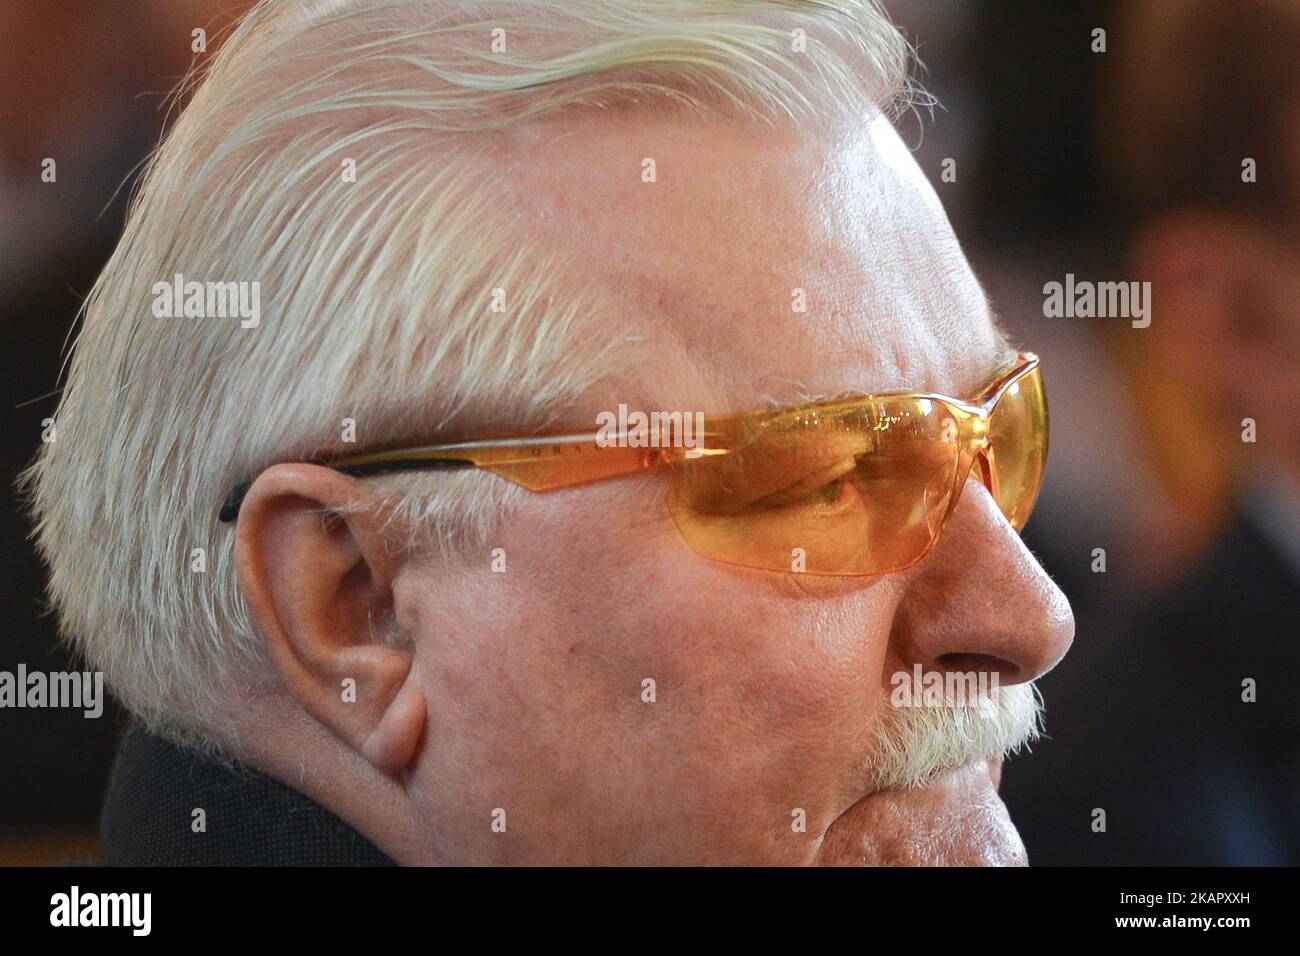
1145,141
85,83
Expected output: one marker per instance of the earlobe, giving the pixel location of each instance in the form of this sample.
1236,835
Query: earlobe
392,745
318,582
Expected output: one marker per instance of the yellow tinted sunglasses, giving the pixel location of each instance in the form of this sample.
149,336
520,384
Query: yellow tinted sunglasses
850,486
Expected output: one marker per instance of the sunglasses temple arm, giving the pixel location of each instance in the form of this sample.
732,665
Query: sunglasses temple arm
230,507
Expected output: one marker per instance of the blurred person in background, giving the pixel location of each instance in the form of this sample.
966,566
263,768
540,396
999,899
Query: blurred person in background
1178,741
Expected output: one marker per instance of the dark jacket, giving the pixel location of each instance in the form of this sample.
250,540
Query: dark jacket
248,818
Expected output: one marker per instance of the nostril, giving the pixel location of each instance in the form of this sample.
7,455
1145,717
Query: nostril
1008,673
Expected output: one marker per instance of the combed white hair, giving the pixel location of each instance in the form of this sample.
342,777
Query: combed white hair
374,293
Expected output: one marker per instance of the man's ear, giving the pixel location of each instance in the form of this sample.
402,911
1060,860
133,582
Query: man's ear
319,586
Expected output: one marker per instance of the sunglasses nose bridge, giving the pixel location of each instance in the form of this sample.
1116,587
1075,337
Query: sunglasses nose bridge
980,451
988,469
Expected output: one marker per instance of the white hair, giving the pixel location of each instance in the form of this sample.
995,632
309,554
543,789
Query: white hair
913,745
374,293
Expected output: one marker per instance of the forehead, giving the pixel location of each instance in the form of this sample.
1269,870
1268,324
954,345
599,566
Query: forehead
765,265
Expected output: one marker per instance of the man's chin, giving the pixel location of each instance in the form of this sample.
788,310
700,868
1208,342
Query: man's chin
957,819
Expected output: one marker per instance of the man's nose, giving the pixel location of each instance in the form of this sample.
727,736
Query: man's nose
981,602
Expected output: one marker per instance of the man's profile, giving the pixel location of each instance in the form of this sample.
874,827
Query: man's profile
336,526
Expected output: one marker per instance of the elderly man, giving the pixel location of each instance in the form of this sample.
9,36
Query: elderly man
561,432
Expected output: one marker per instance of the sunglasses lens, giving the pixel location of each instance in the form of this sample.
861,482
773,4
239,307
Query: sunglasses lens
1018,437
851,489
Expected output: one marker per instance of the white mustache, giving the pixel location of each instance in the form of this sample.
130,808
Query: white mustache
913,745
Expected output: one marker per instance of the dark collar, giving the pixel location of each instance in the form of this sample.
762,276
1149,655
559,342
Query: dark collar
249,818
